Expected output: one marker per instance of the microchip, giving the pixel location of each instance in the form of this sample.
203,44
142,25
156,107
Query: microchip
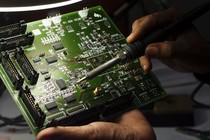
42,54
36,60
61,84
47,76
50,105
70,99
58,47
51,59
43,72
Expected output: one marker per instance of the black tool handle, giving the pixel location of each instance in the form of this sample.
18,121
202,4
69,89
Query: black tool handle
137,48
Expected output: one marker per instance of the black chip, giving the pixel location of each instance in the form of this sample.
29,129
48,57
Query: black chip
36,60
50,105
43,72
70,99
61,84
47,76
58,47
51,59
41,54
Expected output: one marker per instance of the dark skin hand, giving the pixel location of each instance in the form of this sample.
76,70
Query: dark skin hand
131,125
185,50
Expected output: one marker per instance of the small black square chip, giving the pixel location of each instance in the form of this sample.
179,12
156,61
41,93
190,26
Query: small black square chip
58,47
51,59
61,84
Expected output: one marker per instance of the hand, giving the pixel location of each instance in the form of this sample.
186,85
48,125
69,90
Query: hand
130,126
185,50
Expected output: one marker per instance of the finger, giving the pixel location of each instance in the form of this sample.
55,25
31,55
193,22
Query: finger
160,50
131,125
140,27
146,24
145,63
96,131
133,117
137,120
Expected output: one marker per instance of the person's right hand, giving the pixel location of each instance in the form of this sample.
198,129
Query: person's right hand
185,50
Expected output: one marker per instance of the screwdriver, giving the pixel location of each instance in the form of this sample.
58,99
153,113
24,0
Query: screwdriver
137,49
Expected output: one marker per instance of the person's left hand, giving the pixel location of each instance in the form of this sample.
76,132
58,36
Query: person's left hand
131,125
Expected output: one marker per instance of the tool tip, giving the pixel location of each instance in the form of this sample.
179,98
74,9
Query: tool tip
82,79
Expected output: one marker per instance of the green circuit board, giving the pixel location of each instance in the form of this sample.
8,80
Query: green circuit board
41,62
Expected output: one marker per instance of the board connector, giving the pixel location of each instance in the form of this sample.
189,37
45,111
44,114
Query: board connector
26,66
11,71
34,109
13,42
80,118
13,29
117,105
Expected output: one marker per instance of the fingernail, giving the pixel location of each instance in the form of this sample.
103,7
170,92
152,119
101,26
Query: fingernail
129,38
145,68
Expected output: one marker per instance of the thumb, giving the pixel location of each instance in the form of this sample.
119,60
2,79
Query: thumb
160,50
96,130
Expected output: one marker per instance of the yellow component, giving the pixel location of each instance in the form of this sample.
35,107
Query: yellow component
96,91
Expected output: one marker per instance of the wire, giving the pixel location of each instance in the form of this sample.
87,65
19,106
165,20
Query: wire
16,121
194,93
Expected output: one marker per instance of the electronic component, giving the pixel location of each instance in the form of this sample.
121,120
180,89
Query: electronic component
13,29
61,84
70,99
36,60
47,76
56,19
26,66
47,22
34,109
96,91
41,54
78,118
43,72
51,59
83,13
11,71
51,105
13,42
58,47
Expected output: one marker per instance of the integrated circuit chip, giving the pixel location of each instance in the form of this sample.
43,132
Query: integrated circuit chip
70,99
47,76
36,60
58,46
51,59
43,72
61,84
50,105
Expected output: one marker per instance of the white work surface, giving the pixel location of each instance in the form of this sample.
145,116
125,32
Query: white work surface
173,83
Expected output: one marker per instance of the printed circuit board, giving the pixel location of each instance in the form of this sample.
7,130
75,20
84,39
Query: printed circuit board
41,62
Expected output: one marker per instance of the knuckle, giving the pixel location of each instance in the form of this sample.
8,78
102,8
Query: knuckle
166,50
92,132
137,22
